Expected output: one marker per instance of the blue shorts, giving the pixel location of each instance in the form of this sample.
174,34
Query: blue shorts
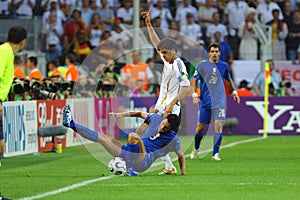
143,165
207,113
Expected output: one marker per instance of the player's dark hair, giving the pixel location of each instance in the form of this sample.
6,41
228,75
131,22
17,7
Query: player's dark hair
213,45
33,59
16,34
174,122
167,43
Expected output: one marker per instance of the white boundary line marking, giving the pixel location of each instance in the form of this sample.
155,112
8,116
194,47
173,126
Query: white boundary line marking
84,183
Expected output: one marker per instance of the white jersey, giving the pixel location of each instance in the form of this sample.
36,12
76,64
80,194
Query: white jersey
174,76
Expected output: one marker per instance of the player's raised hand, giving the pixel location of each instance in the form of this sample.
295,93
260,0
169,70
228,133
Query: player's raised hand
146,16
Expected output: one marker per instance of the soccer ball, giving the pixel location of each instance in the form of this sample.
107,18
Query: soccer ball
117,166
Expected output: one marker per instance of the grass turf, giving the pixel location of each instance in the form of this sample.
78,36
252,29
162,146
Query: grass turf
264,169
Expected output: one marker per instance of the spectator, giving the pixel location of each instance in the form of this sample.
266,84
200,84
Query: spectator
35,73
86,12
18,73
198,54
125,13
64,6
106,14
182,10
174,34
24,7
6,7
293,38
95,30
107,48
164,14
156,69
216,26
56,11
72,73
52,53
53,32
249,44
244,90
234,12
137,70
259,81
81,46
156,23
287,12
205,14
121,51
72,27
191,33
279,33
264,11
118,33
53,68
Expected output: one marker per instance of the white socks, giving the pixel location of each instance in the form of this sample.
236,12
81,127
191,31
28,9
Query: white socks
168,162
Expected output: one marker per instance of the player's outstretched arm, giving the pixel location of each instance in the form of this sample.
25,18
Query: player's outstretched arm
181,160
152,34
139,114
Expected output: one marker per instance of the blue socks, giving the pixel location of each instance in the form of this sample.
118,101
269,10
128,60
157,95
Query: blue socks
198,138
85,132
217,142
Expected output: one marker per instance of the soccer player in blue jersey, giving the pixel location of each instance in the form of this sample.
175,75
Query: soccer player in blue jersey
211,74
139,153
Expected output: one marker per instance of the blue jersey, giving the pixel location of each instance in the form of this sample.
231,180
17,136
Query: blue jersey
156,144
154,121
211,77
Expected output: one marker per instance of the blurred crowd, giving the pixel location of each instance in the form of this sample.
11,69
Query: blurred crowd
75,29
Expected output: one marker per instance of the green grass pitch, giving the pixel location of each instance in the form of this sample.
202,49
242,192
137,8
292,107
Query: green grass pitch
262,169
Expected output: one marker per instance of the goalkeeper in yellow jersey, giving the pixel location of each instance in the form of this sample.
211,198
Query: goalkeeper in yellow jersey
15,43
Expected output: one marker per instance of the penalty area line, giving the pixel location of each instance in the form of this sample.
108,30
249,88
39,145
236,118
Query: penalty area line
87,182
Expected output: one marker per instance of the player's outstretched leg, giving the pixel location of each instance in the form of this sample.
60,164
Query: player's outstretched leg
82,130
170,169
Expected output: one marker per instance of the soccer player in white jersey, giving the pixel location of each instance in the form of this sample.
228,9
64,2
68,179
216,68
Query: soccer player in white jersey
174,84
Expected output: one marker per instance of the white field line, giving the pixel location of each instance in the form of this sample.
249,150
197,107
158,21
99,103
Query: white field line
205,152
84,183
